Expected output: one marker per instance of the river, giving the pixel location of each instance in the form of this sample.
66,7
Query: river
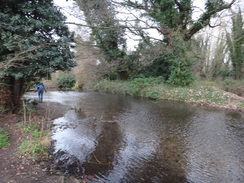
124,139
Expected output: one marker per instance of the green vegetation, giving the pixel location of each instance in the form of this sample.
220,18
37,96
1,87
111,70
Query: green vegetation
232,85
66,81
31,49
139,84
4,136
176,55
235,42
200,92
30,128
33,148
28,107
241,105
106,31
39,142
35,42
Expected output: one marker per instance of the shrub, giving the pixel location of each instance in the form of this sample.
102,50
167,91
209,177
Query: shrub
230,84
67,81
138,84
180,73
152,94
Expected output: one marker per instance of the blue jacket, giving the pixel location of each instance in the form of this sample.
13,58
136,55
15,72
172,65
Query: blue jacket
41,87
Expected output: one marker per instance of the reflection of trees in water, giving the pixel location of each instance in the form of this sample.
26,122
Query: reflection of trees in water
216,148
100,160
172,149
166,165
168,162
104,107
107,147
66,163
171,158
109,142
151,141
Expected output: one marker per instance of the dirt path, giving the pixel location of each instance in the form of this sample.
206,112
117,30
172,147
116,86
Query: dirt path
16,168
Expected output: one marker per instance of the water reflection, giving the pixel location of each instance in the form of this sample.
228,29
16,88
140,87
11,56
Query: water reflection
107,146
125,139
213,151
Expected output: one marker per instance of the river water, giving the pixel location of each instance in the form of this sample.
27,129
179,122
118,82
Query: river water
124,139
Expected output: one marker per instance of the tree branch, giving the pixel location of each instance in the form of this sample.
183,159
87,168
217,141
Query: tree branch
204,20
18,56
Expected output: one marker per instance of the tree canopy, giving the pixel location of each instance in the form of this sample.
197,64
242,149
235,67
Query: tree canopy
34,40
177,15
107,33
167,55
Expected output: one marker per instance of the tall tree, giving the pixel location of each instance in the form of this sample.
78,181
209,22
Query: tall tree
235,42
177,15
34,42
218,66
173,19
106,31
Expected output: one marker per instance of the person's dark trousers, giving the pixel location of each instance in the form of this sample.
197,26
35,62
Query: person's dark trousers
40,95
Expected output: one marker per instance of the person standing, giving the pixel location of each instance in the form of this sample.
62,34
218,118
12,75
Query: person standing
40,88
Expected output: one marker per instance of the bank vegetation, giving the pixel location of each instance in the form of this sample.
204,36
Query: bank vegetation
199,93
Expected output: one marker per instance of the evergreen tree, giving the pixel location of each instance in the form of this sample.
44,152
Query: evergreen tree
34,42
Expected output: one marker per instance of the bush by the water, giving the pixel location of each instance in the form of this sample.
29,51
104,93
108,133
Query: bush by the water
67,81
138,84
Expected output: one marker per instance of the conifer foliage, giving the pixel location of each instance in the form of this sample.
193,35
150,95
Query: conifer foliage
34,42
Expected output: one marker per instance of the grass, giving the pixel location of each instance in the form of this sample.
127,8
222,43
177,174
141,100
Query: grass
205,93
34,148
197,93
30,128
4,138
241,105
38,144
38,136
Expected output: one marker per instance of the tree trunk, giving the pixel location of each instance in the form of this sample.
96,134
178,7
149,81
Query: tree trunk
12,90
17,91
